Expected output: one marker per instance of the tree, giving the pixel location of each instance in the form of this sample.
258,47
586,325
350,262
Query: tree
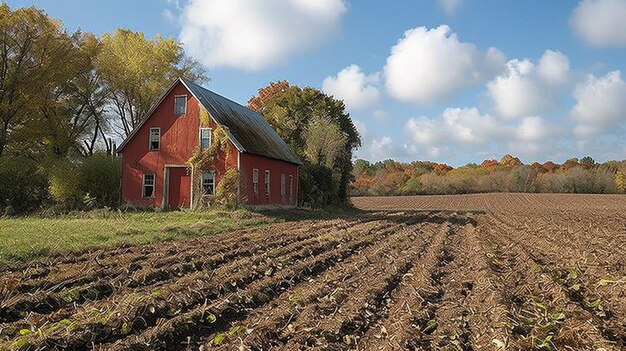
324,142
620,181
508,160
136,70
298,115
33,54
71,115
587,162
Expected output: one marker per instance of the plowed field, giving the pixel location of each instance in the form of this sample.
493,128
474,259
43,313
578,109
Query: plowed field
474,272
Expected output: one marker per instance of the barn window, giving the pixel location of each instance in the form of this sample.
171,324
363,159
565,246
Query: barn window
255,181
208,183
155,139
267,182
180,104
283,191
290,186
205,138
148,185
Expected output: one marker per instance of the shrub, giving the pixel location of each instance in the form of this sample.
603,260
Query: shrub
65,184
226,190
100,178
620,181
23,185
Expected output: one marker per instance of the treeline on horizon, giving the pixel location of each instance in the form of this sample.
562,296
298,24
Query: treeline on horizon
509,174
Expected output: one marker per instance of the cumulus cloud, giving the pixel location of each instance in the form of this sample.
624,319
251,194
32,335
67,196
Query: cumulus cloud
467,128
600,23
354,87
382,148
553,67
253,35
450,7
600,104
525,89
429,64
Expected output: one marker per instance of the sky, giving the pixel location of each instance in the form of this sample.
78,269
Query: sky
452,81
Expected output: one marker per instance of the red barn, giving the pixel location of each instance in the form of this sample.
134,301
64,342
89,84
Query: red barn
185,122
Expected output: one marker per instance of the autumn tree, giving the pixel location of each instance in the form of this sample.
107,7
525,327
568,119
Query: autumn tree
324,142
300,116
32,55
136,70
71,116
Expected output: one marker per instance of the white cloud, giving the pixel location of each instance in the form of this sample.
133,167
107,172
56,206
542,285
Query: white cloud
600,23
600,104
429,64
450,7
553,67
525,89
468,129
533,129
254,35
381,148
354,87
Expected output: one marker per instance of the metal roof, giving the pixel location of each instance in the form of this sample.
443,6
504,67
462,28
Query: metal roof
247,128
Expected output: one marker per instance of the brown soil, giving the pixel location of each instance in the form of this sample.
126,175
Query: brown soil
471,272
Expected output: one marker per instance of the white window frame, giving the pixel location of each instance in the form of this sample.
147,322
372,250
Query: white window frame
267,181
143,186
202,184
283,185
255,181
200,137
185,109
290,185
150,139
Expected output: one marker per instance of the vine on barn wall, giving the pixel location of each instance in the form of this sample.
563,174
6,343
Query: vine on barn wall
205,160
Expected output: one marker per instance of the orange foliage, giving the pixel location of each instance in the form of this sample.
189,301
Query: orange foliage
442,168
489,163
255,103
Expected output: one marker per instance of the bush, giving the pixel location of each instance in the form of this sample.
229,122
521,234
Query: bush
100,176
65,184
23,185
317,186
226,191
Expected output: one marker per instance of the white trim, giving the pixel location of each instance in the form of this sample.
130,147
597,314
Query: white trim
202,183
255,183
283,185
143,186
150,139
267,188
184,112
200,136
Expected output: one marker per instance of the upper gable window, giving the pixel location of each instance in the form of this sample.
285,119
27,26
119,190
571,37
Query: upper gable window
180,104
205,138
155,138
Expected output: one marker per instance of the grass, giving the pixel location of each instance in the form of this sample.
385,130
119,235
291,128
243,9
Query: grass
28,238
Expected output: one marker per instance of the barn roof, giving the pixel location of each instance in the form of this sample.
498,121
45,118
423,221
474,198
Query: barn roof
247,129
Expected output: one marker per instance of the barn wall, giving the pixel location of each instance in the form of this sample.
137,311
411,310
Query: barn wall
179,138
248,162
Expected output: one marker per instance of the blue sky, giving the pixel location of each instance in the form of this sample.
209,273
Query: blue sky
453,81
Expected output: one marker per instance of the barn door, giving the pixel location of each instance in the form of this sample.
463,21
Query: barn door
179,188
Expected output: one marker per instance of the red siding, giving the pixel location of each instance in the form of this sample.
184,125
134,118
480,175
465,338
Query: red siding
248,162
179,138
